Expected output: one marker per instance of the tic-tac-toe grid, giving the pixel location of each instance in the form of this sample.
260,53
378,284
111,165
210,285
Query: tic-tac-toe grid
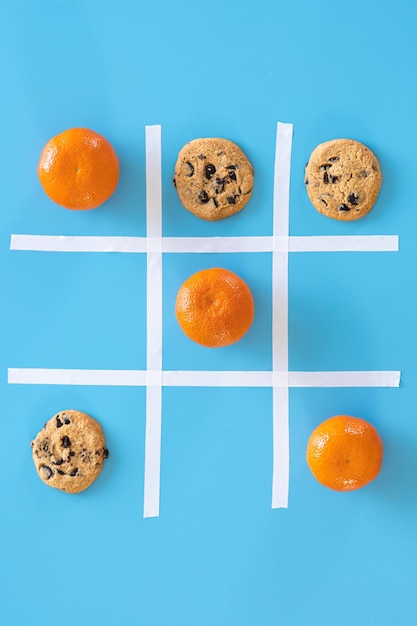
279,379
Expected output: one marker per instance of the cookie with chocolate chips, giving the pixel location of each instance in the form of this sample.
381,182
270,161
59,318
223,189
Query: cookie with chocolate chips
213,177
343,179
69,451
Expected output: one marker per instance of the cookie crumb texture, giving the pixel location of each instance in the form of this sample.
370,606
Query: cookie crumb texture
213,178
69,451
343,178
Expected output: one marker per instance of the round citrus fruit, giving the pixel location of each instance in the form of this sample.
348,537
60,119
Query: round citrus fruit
345,453
214,307
78,169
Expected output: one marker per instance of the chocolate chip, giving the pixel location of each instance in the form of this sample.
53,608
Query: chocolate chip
219,185
66,421
58,462
58,423
72,453
325,178
66,442
201,157
74,472
46,472
232,173
203,197
306,182
352,199
210,170
326,166
333,159
363,174
97,452
216,204
374,167
190,169
231,200
174,182
61,472
344,207
334,179
324,201
105,453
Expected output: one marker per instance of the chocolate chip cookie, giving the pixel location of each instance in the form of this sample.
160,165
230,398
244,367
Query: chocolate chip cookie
343,179
69,451
213,177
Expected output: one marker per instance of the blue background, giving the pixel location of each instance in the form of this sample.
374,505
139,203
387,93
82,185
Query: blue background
218,554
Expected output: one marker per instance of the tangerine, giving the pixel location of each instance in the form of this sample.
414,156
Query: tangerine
214,307
78,169
345,453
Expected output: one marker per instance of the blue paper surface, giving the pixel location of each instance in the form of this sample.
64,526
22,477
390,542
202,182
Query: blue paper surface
218,554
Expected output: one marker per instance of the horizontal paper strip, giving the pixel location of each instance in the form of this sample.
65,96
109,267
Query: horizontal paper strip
111,378
348,243
228,378
345,243
62,243
345,379
191,378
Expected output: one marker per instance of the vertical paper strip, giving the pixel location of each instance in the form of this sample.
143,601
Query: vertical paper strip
280,397
154,322
152,451
281,448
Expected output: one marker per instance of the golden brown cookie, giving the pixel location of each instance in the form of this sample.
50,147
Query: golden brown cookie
213,177
343,179
69,451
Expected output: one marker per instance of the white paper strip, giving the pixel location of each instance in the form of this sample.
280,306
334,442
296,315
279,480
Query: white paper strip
191,378
279,379
345,379
217,244
152,478
282,243
217,379
280,311
348,243
280,447
280,397
282,173
344,243
111,378
154,312
154,322
61,243
153,181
